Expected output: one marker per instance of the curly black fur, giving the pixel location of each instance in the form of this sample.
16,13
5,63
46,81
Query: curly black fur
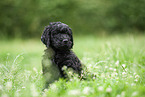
58,39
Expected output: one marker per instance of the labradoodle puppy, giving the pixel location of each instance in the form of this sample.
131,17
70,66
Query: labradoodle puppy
58,39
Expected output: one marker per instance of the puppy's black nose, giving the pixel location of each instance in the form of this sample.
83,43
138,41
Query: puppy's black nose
65,40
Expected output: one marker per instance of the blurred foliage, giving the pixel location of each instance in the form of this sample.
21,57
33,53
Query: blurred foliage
19,18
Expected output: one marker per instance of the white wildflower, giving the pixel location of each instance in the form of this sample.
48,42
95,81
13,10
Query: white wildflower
74,92
87,90
23,87
97,67
118,96
114,70
123,73
106,67
71,79
53,87
64,68
133,84
100,88
117,63
70,72
9,85
33,90
122,93
126,83
137,76
126,69
35,69
123,65
109,90
111,68
116,74
135,93
89,66
45,90
136,80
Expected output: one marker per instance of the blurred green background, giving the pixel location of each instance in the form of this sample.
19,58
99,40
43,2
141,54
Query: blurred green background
109,39
27,19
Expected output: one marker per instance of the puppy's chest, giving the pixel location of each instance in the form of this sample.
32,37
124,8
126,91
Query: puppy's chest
63,56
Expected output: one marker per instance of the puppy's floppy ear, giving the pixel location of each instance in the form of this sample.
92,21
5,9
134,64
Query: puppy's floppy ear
45,38
71,37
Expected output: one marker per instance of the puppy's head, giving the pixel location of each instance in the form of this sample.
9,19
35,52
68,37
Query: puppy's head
58,36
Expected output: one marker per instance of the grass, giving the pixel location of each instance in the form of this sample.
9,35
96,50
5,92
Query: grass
117,61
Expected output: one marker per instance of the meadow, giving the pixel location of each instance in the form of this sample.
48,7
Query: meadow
117,61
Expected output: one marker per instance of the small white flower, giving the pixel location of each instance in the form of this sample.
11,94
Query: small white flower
97,67
9,85
34,90
123,73
126,82
123,94
136,80
116,73
87,90
135,93
35,69
100,88
137,76
53,87
74,92
109,90
106,67
133,84
115,70
118,96
111,68
23,87
64,68
126,69
45,90
123,65
71,79
117,63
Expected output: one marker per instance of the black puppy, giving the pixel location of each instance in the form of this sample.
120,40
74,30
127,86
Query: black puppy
58,39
